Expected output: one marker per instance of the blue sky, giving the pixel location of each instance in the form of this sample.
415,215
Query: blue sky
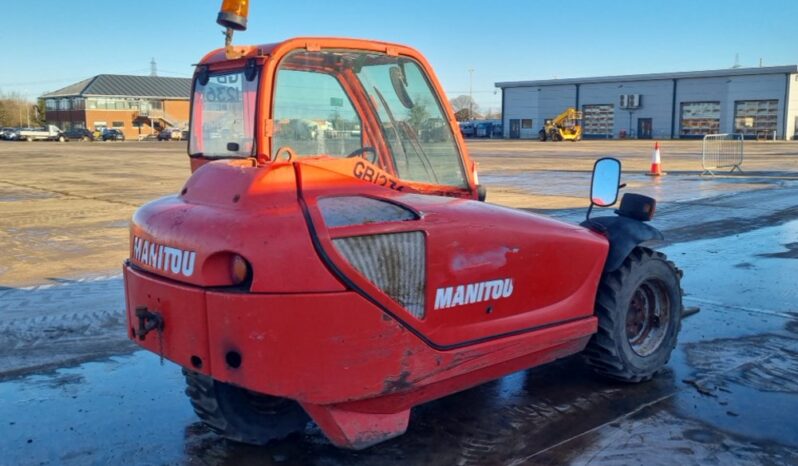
48,44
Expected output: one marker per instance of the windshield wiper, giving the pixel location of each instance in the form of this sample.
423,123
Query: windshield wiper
393,125
424,160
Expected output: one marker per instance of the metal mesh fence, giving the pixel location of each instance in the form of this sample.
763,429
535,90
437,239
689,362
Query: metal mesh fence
722,151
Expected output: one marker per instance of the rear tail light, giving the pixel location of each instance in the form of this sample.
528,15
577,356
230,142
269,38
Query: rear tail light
240,269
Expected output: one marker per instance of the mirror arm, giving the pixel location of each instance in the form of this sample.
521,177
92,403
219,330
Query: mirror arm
597,227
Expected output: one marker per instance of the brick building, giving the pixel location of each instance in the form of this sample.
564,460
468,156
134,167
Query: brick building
136,105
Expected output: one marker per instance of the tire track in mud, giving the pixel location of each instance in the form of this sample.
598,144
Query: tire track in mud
52,324
765,362
533,421
656,437
68,194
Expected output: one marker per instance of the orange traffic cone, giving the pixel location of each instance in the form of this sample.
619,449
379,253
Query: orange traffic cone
656,162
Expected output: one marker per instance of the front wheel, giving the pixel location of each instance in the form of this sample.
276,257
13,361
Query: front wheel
241,415
639,308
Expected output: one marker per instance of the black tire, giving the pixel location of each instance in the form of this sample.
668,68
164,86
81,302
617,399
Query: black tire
542,136
241,415
633,343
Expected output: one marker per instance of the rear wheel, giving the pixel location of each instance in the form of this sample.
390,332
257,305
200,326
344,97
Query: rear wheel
542,136
242,415
639,310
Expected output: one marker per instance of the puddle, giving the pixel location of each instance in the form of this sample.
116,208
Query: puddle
100,412
577,184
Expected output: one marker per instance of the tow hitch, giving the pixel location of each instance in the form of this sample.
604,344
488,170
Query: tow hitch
148,321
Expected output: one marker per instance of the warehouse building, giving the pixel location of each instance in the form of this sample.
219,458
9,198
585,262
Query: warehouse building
136,105
757,102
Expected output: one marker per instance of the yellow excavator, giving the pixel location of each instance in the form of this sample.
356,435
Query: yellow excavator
567,126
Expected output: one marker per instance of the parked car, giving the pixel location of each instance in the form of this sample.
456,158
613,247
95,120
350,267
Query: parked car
78,134
45,133
467,129
113,135
8,134
170,134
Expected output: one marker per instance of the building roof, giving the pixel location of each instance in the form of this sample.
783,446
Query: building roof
655,76
113,85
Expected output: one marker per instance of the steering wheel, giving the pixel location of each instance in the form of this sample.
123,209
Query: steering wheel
362,151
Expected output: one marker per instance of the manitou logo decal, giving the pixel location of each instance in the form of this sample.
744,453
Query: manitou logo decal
473,293
165,258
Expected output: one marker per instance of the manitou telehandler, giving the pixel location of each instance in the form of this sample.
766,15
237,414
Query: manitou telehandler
567,126
324,262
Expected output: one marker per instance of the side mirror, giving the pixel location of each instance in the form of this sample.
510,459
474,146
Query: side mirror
606,182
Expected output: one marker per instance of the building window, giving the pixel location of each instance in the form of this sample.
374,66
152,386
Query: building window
700,118
51,104
78,103
598,120
756,117
63,104
118,124
526,123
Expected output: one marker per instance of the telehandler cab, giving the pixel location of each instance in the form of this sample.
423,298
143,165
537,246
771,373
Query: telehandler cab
324,261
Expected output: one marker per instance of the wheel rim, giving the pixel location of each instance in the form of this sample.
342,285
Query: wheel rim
648,317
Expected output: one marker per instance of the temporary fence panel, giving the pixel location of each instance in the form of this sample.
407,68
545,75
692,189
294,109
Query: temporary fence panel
721,151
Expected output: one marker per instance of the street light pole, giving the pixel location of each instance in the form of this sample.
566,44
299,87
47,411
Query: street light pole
471,93
27,107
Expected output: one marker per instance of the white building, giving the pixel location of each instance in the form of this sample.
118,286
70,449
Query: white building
758,102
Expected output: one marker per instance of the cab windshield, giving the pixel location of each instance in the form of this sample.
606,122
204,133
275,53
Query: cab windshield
365,104
223,115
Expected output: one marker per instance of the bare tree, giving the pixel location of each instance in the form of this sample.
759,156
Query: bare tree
491,114
464,102
14,110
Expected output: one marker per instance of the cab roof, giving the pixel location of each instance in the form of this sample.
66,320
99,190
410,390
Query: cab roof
278,49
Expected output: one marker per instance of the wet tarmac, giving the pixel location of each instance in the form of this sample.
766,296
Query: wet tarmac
576,184
728,396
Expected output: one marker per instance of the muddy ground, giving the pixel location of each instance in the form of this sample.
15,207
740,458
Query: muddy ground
728,396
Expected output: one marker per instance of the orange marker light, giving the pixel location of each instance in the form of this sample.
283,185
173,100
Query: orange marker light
239,269
234,14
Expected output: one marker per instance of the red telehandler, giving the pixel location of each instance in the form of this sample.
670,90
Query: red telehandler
325,261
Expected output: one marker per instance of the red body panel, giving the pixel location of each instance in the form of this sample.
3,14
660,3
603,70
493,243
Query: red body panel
227,208
183,307
555,266
304,334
